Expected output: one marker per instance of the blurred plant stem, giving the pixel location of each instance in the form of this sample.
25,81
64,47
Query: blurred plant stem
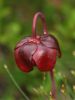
15,83
53,93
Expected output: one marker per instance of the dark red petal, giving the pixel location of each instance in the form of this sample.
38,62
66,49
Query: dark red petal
20,61
28,50
45,58
23,41
51,42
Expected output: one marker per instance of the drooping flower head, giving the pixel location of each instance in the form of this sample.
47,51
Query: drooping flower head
40,51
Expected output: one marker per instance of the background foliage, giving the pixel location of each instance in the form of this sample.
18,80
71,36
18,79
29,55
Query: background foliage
16,23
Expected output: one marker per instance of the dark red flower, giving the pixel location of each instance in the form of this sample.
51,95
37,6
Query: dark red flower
40,51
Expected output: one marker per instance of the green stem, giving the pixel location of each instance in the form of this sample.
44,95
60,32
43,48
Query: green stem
15,83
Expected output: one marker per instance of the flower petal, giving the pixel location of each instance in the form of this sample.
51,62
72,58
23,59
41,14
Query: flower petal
21,61
45,58
22,42
28,50
51,42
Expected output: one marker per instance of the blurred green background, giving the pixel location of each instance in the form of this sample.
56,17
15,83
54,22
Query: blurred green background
16,23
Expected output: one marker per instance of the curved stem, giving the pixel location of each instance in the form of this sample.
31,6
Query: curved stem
53,85
15,83
38,14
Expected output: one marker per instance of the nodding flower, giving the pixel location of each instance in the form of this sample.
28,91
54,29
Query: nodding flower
37,50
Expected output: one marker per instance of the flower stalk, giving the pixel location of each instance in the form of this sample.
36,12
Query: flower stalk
39,14
53,86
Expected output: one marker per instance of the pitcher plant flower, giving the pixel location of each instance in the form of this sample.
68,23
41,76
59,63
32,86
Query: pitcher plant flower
38,50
